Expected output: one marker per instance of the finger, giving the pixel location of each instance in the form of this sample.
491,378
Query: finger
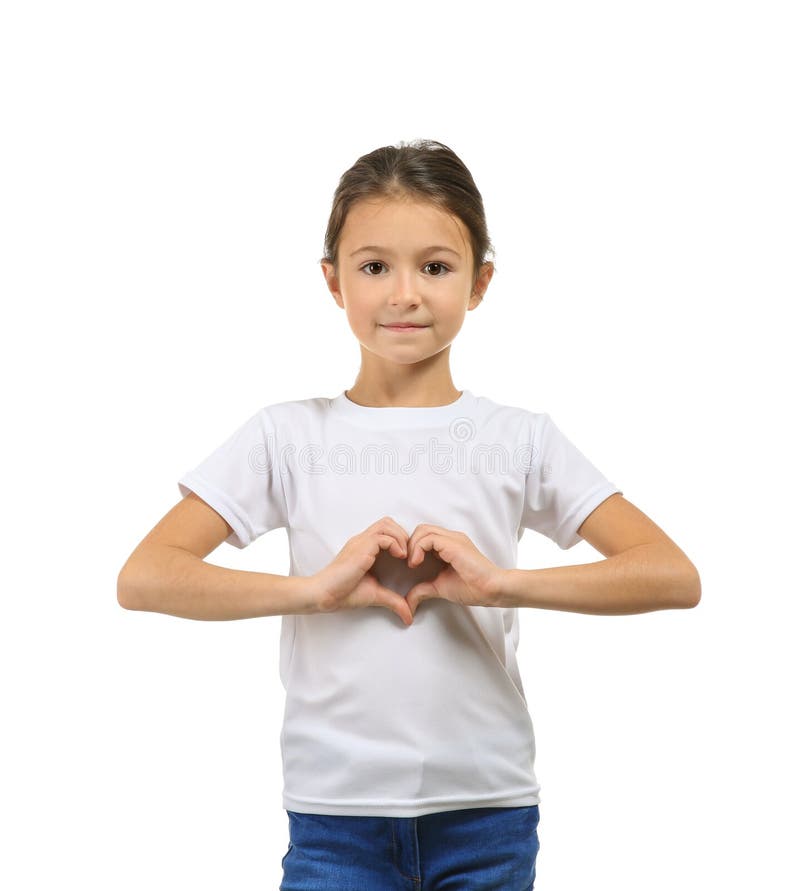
423,528
430,541
423,533
393,601
417,594
388,542
415,536
390,526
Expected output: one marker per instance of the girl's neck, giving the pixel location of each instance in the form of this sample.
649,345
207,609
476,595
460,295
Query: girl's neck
412,395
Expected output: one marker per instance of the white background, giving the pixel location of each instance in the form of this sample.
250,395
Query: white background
166,178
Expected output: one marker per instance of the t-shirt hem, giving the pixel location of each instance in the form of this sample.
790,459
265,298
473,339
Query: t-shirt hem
406,808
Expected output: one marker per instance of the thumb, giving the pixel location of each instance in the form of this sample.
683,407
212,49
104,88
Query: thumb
419,592
393,601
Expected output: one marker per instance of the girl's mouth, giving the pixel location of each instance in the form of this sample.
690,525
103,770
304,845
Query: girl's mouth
404,328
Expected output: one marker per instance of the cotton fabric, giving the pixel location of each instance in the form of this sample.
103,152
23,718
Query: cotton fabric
380,718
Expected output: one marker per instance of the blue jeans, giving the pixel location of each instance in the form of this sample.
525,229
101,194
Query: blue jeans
475,849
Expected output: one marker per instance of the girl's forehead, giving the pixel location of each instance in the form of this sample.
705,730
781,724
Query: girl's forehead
386,215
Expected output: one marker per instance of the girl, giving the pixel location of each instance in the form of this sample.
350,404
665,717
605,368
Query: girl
407,746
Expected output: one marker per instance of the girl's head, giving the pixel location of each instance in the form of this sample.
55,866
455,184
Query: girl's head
390,210
424,171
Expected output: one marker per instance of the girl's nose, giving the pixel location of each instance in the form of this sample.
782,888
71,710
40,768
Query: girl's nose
405,289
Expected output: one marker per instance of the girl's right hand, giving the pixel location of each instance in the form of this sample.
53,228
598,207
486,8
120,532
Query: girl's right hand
347,583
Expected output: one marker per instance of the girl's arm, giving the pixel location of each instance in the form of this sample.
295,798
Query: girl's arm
644,570
166,573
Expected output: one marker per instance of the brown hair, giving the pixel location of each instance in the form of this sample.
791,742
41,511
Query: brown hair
423,170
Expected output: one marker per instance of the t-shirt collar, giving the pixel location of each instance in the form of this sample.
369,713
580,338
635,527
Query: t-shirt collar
392,416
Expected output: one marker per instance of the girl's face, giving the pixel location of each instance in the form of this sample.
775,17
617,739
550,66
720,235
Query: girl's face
401,260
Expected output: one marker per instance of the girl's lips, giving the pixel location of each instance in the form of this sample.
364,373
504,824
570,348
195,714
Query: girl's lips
405,327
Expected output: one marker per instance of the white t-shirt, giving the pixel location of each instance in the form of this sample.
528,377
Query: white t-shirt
384,719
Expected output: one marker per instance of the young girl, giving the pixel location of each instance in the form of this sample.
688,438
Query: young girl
407,746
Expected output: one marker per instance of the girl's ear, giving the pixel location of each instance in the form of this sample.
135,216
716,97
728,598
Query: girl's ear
481,284
331,281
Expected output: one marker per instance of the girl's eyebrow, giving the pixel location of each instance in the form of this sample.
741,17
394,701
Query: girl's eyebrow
381,250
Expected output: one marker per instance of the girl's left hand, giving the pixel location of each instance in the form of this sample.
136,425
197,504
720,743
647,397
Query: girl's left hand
469,578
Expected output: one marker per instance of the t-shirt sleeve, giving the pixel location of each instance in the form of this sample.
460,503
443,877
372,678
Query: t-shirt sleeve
562,486
241,480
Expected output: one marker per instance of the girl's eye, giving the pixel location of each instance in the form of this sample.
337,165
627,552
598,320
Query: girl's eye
441,267
373,263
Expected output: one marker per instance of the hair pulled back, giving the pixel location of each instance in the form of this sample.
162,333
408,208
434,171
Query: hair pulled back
423,170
